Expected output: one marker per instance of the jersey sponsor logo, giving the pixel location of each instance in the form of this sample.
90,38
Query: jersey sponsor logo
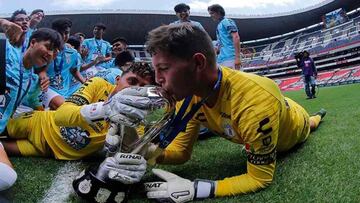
76,137
262,128
78,100
266,141
224,115
27,115
201,117
261,159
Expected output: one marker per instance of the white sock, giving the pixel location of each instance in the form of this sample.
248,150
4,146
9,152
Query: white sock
8,176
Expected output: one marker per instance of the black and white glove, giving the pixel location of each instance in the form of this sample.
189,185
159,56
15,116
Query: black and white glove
127,107
113,139
122,167
112,180
134,105
177,189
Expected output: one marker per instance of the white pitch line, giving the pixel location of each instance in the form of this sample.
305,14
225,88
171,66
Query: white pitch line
61,186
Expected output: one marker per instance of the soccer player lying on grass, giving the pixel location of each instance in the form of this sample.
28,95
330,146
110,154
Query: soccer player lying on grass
241,107
43,46
77,129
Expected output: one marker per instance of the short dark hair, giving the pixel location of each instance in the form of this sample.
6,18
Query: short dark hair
217,9
100,25
61,24
74,41
142,69
123,57
36,11
80,34
17,12
182,41
45,34
181,7
119,39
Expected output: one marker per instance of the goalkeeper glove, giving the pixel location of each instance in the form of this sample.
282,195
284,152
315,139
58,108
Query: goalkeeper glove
177,189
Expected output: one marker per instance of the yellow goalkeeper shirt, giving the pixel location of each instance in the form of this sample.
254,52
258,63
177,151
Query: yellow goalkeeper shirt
67,133
250,110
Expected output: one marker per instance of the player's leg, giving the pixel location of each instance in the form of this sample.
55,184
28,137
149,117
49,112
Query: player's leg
316,119
8,175
26,137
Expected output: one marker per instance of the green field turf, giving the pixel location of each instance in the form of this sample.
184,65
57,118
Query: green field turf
324,169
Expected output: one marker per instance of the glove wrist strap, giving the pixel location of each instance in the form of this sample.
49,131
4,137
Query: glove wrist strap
204,189
93,112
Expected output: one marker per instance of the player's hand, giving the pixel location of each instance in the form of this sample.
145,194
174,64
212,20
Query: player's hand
13,32
84,52
175,189
44,81
99,59
129,107
123,167
112,140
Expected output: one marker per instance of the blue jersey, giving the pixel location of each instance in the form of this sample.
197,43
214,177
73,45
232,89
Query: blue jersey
194,23
108,64
96,47
109,74
225,41
59,70
33,98
18,82
74,83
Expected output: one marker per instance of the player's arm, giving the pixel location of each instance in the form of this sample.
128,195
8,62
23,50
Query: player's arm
69,114
236,41
13,32
231,28
76,67
260,133
180,149
108,54
260,166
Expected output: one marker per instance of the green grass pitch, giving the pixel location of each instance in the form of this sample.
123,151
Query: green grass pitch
324,169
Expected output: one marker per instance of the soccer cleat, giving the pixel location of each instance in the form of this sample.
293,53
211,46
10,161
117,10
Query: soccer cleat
321,113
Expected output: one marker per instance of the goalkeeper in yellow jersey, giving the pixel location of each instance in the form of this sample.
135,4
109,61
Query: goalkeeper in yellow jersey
240,107
77,129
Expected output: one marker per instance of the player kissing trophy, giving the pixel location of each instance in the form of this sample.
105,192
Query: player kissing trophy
141,133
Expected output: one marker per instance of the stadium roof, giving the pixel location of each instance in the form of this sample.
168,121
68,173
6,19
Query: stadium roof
134,24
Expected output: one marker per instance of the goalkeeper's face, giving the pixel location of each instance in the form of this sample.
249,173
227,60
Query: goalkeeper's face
178,77
131,79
